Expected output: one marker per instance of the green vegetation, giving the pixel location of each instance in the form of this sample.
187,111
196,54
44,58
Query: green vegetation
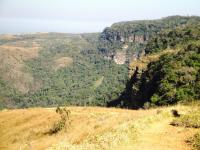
7,95
174,77
74,85
173,38
88,79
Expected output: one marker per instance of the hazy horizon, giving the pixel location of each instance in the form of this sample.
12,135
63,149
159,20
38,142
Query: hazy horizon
78,16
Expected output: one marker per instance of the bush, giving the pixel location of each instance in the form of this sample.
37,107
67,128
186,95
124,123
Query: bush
61,124
175,113
147,105
155,98
191,120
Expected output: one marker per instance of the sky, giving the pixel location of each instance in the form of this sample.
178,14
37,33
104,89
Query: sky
81,16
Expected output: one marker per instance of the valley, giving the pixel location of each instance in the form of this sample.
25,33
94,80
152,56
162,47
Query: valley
133,86
115,66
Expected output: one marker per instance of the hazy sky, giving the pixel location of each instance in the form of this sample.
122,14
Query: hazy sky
20,16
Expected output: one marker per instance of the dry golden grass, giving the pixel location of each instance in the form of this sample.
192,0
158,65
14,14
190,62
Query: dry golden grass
20,50
26,127
12,59
156,133
93,128
63,62
7,37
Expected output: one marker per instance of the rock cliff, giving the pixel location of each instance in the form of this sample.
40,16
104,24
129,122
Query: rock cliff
135,35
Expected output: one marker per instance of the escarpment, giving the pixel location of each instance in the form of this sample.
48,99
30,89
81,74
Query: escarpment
135,36
164,66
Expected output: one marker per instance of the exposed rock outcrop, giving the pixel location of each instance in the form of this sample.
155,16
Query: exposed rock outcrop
120,58
136,35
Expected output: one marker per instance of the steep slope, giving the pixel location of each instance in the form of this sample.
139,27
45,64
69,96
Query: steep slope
169,72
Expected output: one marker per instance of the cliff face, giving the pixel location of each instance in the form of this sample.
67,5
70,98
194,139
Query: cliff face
134,38
162,60
136,34
121,47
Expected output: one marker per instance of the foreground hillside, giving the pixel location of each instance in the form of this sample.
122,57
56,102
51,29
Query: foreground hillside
95,128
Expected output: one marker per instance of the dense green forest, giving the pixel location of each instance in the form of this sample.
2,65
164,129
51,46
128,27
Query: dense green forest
174,77
91,80
88,79
49,69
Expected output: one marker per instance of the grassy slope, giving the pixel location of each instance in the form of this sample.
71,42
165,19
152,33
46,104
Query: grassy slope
94,128
12,58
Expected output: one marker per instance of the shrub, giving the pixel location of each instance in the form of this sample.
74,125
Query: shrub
155,98
61,124
147,105
175,113
191,120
